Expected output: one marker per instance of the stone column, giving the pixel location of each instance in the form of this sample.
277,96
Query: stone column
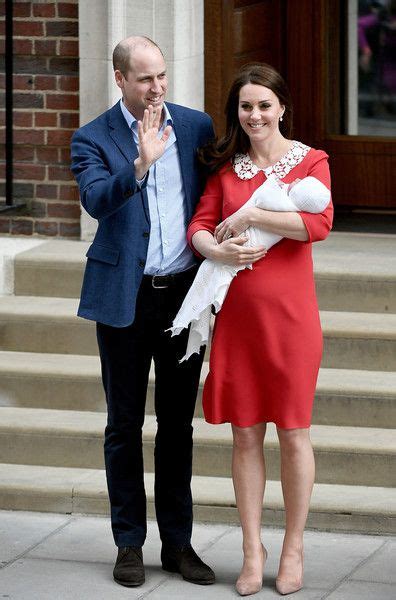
95,83
175,25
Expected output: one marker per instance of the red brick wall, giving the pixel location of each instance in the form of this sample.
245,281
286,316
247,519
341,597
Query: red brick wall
46,103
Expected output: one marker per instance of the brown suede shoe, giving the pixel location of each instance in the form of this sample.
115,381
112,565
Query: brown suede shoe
186,562
129,568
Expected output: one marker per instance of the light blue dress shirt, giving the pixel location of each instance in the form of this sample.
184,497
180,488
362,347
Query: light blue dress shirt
168,251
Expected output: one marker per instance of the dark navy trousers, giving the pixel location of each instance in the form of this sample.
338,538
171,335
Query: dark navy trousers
126,354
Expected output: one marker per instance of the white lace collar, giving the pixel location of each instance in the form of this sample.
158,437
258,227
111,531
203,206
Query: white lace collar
246,169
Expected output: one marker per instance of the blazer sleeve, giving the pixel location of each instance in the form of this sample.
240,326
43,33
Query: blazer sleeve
209,209
101,193
319,225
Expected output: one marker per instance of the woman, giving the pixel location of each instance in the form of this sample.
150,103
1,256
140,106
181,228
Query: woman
267,339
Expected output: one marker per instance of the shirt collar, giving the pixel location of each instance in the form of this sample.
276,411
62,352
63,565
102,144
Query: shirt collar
246,169
132,122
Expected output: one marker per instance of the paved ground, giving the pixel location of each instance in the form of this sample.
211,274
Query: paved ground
61,557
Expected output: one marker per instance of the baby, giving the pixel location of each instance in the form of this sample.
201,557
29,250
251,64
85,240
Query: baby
213,279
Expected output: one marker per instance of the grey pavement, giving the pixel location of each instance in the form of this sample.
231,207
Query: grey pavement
62,557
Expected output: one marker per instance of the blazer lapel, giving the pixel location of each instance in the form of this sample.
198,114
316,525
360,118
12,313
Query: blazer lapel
123,138
186,154
121,134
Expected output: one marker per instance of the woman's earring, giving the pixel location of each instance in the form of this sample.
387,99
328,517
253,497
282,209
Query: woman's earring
281,118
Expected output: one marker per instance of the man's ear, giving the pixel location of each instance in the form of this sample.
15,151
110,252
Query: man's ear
119,78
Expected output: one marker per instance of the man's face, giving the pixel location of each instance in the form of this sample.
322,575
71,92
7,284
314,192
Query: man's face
145,83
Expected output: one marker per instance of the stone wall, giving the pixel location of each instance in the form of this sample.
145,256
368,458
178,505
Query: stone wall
46,112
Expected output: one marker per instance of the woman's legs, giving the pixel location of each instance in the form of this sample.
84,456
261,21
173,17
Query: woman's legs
248,473
297,476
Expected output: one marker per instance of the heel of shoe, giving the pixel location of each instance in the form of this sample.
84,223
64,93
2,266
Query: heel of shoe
170,565
286,587
246,588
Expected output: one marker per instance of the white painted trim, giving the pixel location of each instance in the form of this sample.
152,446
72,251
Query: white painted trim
353,72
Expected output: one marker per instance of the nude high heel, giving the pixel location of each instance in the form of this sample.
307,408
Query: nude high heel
290,586
246,587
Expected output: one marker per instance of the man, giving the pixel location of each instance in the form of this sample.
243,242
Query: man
138,175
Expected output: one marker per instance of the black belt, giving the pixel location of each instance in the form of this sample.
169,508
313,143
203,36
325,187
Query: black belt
160,282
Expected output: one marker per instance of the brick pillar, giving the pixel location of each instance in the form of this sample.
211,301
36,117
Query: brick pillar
46,112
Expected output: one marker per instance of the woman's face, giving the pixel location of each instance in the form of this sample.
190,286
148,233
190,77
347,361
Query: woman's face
259,111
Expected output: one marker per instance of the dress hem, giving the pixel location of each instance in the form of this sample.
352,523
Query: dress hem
294,426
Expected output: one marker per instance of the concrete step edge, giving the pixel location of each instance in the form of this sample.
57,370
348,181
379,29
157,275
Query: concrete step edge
334,323
38,308
83,491
55,423
206,490
73,382
326,256
54,251
324,272
358,325
321,271
46,365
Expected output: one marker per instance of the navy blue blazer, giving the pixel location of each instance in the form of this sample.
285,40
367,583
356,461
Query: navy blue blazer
103,152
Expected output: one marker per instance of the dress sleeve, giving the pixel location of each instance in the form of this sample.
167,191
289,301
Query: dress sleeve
319,225
209,209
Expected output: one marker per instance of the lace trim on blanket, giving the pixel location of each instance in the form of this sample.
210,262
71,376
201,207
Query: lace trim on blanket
246,169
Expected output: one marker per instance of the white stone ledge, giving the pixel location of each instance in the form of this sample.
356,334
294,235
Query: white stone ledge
9,248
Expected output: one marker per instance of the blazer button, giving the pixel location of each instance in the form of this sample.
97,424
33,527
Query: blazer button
146,234
141,263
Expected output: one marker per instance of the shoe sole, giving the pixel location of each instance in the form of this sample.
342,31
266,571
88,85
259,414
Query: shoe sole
196,581
125,584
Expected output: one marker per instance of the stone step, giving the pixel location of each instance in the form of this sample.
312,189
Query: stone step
67,490
344,455
352,340
59,381
357,340
55,269
72,382
356,272
41,324
352,271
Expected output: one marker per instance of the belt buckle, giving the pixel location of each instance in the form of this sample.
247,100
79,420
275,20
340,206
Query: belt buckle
157,287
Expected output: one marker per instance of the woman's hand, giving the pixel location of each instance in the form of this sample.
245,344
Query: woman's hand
233,252
233,226
292,184
151,147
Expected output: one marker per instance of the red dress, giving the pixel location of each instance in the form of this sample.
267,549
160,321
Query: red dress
267,339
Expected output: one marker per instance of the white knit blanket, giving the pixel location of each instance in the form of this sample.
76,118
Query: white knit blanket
213,278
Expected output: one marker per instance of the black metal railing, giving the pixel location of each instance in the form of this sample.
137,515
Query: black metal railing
9,141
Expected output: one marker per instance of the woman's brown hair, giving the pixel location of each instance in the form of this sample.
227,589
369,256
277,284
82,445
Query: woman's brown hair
220,151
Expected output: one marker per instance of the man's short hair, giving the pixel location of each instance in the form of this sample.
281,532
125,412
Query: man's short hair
124,49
